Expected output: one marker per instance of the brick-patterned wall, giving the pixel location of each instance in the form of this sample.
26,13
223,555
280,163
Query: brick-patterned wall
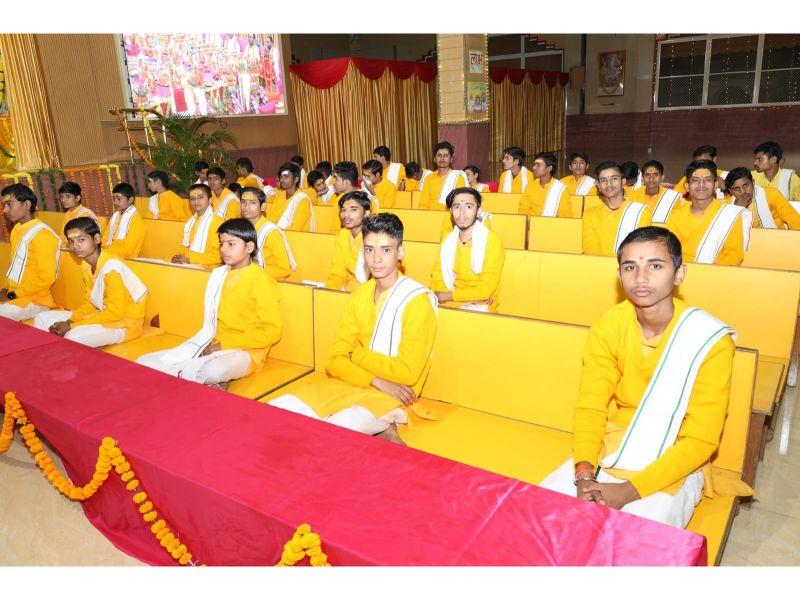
734,131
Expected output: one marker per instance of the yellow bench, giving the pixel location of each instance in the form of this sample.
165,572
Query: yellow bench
513,406
426,226
499,203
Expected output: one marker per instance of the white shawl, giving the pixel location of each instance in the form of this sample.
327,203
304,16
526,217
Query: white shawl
716,234
198,244
449,184
585,186
222,208
628,221
265,230
447,253
136,288
761,206
665,205
20,259
550,208
508,180
288,214
124,221
388,331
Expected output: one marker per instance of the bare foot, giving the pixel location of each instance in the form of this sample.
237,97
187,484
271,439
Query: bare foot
220,386
391,435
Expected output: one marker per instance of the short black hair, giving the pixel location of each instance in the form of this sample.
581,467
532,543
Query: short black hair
700,150
159,176
218,172
770,149
444,146
412,168
582,155
291,167
387,223
476,195
653,163
373,166
549,159
246,163
70,187
242,229
22,193
200,165
700,164
201,186
383,152
652,233
325,168
234,187
607,164
516,153
361,197
630,171
298,160
474,169
126,189
87,225
313,177
347,170
735,174
259,193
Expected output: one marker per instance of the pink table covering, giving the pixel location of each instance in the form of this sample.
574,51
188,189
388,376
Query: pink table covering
234,478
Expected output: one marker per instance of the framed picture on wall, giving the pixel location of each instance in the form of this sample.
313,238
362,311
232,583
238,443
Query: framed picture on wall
611,73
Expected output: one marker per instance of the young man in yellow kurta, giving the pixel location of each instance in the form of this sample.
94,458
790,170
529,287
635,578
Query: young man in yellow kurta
515,178
415,177
376,185
71,200
35,253
645,425
300,162
394,172
382,352
442,181
769,208
632,175
199,245
470,260
274,253
201,171
473,174
345,181
242,317
659,199
165,204
605,226
702,219
579,183
224,202
246,176
706,152
348,265
769,174
126,231
290,208
323,193
547,196
113,308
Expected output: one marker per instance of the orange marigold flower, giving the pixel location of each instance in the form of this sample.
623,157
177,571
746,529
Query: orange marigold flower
140,497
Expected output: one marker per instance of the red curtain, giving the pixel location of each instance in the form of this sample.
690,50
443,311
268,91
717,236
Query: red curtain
324,74
516,76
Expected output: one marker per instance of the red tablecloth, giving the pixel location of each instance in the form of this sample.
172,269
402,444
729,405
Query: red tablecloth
234,478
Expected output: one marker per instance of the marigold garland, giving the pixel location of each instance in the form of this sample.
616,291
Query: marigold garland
109,456
304,543
124,124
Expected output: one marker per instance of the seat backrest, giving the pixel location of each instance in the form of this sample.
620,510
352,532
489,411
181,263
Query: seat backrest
402,200
329,307
162,238
326,218
427,225
773,249
548,234
733,442
313,253
576,204
498,203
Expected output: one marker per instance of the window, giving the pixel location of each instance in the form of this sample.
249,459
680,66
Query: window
713,71
524,51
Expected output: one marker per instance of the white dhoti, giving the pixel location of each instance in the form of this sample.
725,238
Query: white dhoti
356,418
675,510
217,367
20,313
94,336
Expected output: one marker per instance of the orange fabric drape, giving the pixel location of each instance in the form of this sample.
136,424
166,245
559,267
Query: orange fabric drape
527,115
346,121
27,101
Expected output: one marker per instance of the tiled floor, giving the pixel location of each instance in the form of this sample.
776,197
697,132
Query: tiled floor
38,526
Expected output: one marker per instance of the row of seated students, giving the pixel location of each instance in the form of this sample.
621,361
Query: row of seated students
648,457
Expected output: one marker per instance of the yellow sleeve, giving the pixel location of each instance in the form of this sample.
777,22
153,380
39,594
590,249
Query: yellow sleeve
590,233
437,282
234,210
42,251
599,378
681,186
276,260
700,432
211,256
387,196
339,260
489,279
131,246
646,218
411,185
732,251
302,217
86,308
418,331
564,205
794,187
115,298
447,226
268,326
425,194
525,201
340,364
785,211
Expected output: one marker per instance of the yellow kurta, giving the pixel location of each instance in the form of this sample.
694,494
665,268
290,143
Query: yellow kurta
412,185
119,312
249,316
40,269
343,262
211,256
516,183
302,216
690,229
76,211
234,208
469,287
276,259
429,198
782,212
249,181
600,225
171,207
385,191
532,201
131,245
616,372
573,185
794,183
401,174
